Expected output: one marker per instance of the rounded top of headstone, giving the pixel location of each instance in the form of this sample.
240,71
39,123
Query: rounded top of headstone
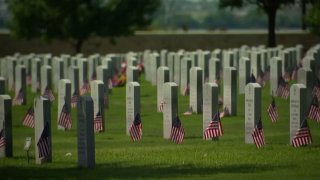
299,86
163,68
133,83
244,59
5,96
211,84
170,84
65,80
253,85
46,67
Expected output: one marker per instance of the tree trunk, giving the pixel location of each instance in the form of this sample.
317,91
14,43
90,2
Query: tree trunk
78,45
303,15
271,26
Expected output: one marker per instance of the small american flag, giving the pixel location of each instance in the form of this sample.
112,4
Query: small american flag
272,111
185,90
161,106
110,85
2,139
48,94
85,88
43,143
214,128
295,73
28,119
135,129
316,89
177,131
74,99
260,78
314,112
98,127
18,100
283,90
302,136
258,135
65,117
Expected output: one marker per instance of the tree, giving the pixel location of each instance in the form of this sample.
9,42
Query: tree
75,21
313,18
270,7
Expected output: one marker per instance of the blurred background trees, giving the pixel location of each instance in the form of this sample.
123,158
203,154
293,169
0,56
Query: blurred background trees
75,21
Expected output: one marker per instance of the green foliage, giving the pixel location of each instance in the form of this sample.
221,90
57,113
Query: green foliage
117,157
77,20
313,18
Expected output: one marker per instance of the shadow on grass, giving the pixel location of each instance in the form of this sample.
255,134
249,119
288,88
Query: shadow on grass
121,171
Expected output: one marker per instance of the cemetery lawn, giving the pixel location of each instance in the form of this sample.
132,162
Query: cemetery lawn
117,157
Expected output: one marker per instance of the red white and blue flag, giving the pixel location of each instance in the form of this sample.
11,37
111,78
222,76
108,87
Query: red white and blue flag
302,136
65,118
258,135
97,122
48,94
2,139
43,143
177,131
314,112
74,99
214,128
272,111
85,88
283,90
28,119
18,100
135,129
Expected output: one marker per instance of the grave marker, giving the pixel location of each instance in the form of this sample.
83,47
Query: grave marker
6,149
162,77
170,109
196,84
132,103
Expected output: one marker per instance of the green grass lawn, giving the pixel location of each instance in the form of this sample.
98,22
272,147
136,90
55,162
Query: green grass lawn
117,157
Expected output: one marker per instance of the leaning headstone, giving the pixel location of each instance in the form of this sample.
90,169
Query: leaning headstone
64,104
6,126
162,77
185,75
2,85
132,103
132,74
86,144
298,107
214,70
196,84
170,108
252,109
244,74
42,128
97,94
210,103
46,78
230,90
21,84
35,75
275,74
